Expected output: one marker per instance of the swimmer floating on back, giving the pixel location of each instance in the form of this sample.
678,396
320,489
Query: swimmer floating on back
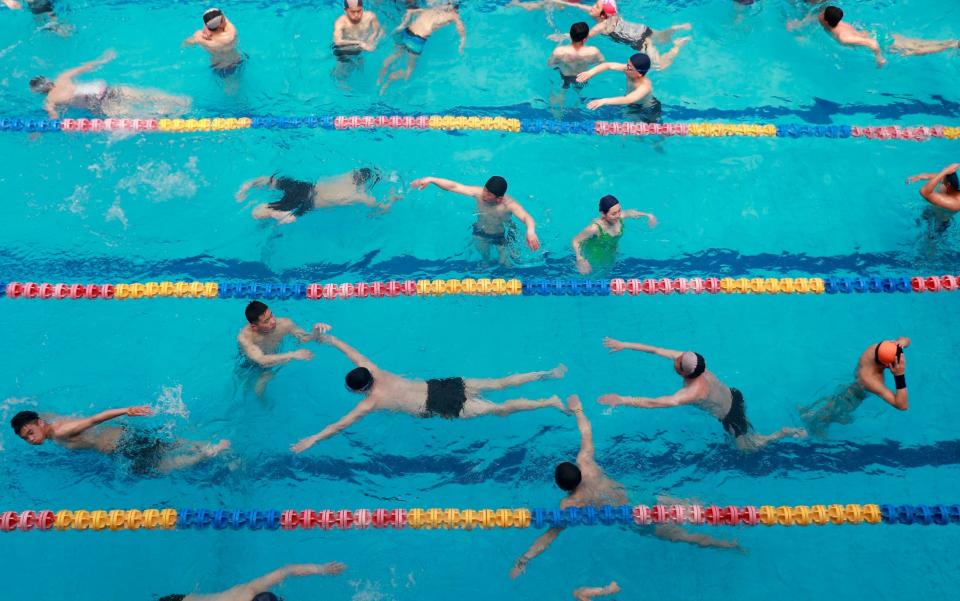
942,191
356,31
873,364
831,19
259,589
494,210
702,389
218,36
448,398
410,39
299,197
596,245
636,35
99,98
639,99
147,453
587,485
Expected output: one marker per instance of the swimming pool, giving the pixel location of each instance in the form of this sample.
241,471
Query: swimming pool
101,208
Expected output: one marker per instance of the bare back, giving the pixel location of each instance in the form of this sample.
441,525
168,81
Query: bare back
595,488
571,60
103,439
391,392
339,190
429,20
713,396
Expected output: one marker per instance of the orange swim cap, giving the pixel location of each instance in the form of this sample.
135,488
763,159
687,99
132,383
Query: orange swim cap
886,353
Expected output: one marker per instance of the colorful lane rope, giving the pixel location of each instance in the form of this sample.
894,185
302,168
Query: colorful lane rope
482,287
502,124
468,519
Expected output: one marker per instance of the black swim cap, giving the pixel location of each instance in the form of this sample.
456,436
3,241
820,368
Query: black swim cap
213,18
496,185
40,84
173,598
579,31
607,203
24,418
951,178
266,597
692,364
352,4
365,174
640,62
567,476
254,310
832,15
359,379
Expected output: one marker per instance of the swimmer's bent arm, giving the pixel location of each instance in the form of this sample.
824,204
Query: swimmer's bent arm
539,546
520,213
105,58
353,354
461,30
608,66
588,232
929,190
70,428
256,354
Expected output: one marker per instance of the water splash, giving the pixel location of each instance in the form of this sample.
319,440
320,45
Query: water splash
170,402
161,182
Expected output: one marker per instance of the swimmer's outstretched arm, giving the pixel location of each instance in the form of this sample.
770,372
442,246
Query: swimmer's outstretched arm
445,184
617,345
588,593
461,30
276,577
929,190
318,330
362,408
586,454
68,428
798,23
12,4
539,546
682,397
105,58
607,66
256,354
353,354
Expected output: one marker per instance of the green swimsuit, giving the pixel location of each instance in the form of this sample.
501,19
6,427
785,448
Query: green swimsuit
601,250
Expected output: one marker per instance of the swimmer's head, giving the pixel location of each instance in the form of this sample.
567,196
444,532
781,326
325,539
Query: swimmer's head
260,317
41,85
266,597
951,180
354,10
638,64
213,18
832,15
359,379
579,32
887,353
567,476
28,426
690,365
609,203
494,189
603,9
365,176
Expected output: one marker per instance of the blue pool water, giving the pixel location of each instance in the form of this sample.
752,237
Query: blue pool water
158,206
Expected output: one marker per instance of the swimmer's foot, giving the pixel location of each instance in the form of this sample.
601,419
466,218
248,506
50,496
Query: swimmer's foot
557,372
681,42
681,27
613,588
214,450
557,403
794,432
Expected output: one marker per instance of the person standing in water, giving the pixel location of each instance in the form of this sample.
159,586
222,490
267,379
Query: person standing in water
300,197
596,245
412,34
587,485
576,57
147,453
494,211
356,31
873,364
641,104
702,389
218,36
99,98
259,589
942,191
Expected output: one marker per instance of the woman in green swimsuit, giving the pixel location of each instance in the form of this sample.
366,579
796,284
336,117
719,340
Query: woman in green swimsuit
596,245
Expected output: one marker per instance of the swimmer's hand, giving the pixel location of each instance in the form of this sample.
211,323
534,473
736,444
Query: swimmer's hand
322,569
107,56
610,399
420,184
302,354
583,266
533,241
304,444
651,220
613,344
13,4
139,411
899,367
319,329
519,568
595,104
584,76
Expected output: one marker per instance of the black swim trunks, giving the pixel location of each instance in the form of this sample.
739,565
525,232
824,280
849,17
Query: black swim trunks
445,397
231,69
346,53
499,239
144,451
297,195
736,420
173,598
39,7
571,81
649,113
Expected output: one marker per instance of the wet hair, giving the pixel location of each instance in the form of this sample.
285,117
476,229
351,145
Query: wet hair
832,15
496,185
254,310
567,476
608,202
41,84
951,178
265,597
173,598
359,379
22,419
579,31
366,174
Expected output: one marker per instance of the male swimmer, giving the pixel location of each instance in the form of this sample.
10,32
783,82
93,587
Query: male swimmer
942,191
411,35
571,59
259,589
641,104
831,19
218,36
356,31
638,36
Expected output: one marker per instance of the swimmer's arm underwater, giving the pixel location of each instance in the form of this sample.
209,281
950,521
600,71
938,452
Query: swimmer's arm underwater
256,354
257,182
674,533
616,345
318,330
69,428
343,423
681,397
376,34
461,31
539,546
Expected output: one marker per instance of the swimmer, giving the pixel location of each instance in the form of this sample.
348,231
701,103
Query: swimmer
355,31
260,339
41,9
641,104
830,18
218,36
147,453
587,593
942,191
597,244
99,98
299,197
494,210
423,22
702,389
914,47
259,589
571,60
636,35
449,398
868,377
587,485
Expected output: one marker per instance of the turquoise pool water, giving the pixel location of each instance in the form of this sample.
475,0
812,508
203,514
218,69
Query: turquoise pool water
160,206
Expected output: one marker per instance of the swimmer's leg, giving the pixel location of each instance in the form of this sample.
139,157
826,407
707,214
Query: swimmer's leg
665,35
205,451
662,61
676,534
389,61
478,407
261,384
476,385
914,47
588,593
504,256
754,442
483,247
405,74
